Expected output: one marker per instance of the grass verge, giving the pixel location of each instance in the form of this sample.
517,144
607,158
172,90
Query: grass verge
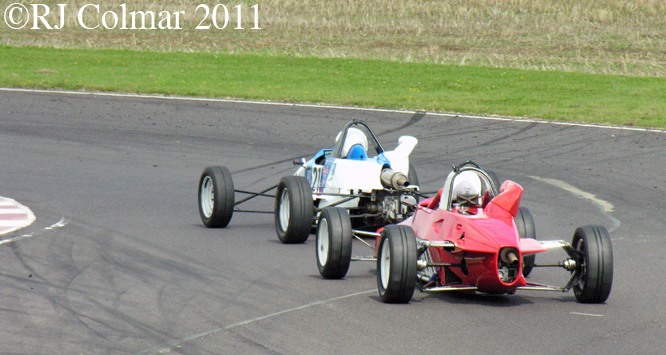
579,97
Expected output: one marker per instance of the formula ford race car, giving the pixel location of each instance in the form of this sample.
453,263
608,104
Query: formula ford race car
372,189
468,238
473,237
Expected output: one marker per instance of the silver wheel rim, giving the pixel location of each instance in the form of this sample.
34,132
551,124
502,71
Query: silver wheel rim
322,242
207,196
284,210
385,265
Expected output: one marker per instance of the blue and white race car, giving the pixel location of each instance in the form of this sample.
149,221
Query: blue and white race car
374,186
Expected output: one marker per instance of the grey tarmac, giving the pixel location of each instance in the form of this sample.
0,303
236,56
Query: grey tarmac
133,270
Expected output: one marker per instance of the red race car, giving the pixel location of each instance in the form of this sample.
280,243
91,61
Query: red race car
473,237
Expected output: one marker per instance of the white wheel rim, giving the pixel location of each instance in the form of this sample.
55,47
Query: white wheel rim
385,264
322,242
207,196
284,210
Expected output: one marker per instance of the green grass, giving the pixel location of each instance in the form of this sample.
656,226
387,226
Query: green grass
580,97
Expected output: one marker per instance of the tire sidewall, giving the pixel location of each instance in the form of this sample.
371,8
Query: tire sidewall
598,269
223,196
338,258
412,175
494,178
301,211
526,229
402,269
380,258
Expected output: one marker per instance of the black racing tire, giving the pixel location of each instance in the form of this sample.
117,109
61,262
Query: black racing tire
216,197
596,279
526,229
294,211
334,243
494,179
396,264
412,176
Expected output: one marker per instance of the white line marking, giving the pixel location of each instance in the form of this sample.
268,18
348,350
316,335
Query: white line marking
607,206
63,222
587,314
166,346
604,206
273,103
14,239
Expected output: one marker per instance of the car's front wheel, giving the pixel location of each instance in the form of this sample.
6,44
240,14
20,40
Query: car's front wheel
334,243
396,264
216,197
596,277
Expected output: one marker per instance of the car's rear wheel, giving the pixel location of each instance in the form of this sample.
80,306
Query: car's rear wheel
396,264
494,178
412,176
294,211
216,197
526,229
334,243
596,278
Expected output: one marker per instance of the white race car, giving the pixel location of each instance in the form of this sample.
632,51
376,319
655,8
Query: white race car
375,187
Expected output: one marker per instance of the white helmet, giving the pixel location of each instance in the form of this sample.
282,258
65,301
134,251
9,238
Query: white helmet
466,184
354,136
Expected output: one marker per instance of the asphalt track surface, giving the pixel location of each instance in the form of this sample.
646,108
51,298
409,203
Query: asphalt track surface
118,261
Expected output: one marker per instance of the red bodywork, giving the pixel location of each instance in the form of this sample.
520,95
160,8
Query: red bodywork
478,235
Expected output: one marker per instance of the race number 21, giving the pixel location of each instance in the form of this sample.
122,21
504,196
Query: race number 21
316,176
220,16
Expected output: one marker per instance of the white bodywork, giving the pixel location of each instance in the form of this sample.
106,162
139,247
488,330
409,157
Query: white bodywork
342,176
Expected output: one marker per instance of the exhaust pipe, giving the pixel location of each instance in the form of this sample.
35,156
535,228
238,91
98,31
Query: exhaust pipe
393,180
510,257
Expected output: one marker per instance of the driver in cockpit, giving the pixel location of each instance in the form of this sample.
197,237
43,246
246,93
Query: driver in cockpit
466,192
355,146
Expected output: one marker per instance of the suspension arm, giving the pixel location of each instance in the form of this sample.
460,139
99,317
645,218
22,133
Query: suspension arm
254,194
